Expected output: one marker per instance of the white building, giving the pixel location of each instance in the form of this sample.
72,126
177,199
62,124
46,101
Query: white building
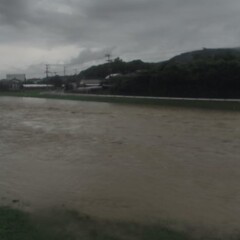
90,82
20,77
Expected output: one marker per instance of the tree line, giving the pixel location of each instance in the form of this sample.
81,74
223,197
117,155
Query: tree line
201,74
207,73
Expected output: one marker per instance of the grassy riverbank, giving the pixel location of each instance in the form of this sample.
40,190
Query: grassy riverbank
208,104
67,225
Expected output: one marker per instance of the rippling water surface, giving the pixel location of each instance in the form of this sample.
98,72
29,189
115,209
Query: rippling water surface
122,161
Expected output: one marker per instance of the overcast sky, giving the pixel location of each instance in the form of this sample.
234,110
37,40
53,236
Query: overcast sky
79,33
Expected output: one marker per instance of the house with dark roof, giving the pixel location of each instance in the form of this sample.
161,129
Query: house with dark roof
11,85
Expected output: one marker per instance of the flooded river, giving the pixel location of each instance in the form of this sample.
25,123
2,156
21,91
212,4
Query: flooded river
144,163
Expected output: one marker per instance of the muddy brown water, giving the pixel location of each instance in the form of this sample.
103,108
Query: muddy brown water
125,162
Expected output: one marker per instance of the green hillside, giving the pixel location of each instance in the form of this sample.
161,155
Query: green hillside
116,66
207,73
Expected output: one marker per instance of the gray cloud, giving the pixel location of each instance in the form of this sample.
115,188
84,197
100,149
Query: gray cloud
88,55
148,29
13,12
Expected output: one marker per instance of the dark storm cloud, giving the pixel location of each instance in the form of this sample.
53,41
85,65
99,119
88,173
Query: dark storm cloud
148,29
106,21
13,12
88,55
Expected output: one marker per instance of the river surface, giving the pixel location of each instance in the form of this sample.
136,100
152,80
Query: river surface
128,162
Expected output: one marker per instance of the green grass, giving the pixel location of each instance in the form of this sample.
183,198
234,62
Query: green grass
18,225
212,105
69,225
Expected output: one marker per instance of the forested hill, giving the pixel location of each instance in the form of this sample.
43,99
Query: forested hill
207,54
211,73
116,66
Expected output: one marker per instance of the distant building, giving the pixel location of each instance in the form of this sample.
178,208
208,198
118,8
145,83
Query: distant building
113,75
19,77
33,80
37,86
90,82
11,85
85,86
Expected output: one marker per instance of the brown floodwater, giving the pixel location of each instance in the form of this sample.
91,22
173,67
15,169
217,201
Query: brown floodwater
128,162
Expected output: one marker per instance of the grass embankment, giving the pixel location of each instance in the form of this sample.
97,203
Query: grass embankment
67,225
207,104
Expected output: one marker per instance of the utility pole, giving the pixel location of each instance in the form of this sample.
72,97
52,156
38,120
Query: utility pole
47,71
108,56
109,61
64,70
